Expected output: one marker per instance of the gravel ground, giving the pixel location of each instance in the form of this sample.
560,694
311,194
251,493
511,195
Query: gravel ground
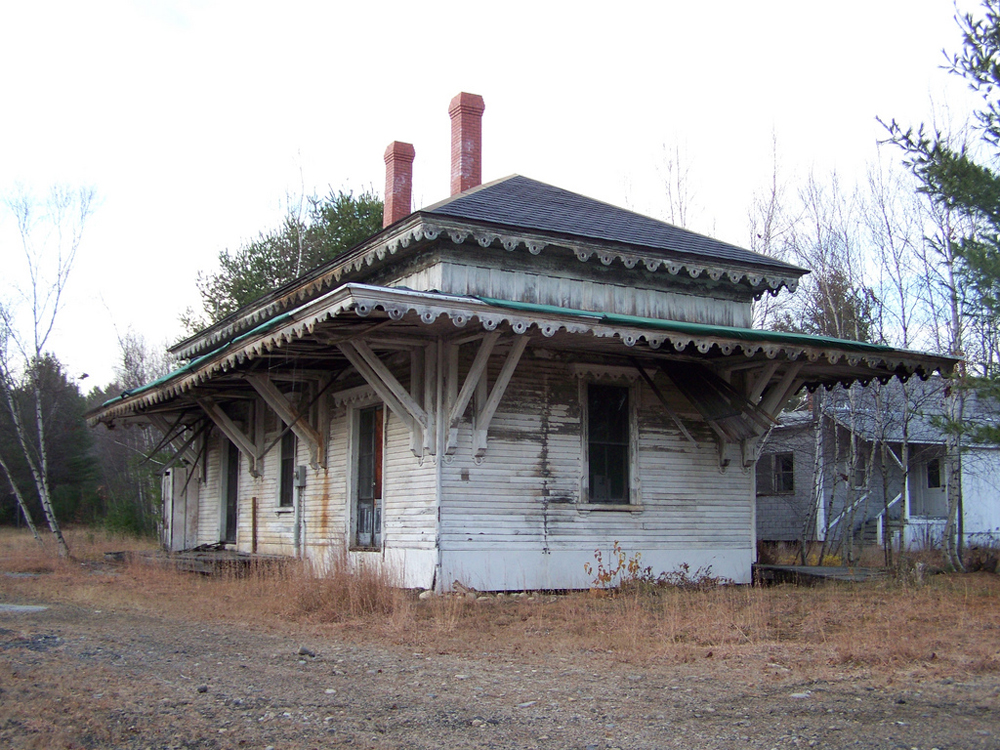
73,677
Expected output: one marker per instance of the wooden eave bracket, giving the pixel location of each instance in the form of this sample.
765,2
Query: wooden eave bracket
389,389
230,430
778,394
487,409
663,402
291,417
183,450
472,379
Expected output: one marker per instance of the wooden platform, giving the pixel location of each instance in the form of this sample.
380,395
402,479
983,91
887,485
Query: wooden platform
808,575
212,560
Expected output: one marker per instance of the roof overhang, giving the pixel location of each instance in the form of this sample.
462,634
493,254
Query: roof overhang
351,310
420,229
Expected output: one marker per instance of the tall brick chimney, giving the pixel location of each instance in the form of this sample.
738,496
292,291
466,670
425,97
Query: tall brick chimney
398,182
466,112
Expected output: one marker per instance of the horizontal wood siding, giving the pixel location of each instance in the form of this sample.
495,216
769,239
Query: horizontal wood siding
555,287
409,512
524,494
409,493
210,494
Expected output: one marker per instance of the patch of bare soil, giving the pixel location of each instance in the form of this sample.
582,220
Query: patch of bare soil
73,676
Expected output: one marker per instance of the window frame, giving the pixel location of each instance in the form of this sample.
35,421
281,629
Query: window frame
776,473
353,473
288,452
936,463
767,464
634,499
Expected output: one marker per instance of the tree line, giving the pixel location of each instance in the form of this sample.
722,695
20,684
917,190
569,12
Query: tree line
52,466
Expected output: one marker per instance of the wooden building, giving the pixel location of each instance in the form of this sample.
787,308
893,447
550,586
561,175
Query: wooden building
491,389
871,463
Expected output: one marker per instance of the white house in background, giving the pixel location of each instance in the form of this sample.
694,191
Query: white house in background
866,497
490,389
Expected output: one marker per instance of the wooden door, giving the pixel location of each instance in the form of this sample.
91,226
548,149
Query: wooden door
232,492
368,500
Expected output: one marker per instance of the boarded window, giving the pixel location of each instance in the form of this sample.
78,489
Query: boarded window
608,443
287,470
934,473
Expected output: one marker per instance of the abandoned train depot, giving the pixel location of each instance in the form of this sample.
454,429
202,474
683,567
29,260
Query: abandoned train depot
490,389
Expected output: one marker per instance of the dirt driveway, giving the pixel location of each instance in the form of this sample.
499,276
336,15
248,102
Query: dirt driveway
74,677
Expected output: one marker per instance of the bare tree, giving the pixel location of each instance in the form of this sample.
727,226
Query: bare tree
50,230
770,227
676,175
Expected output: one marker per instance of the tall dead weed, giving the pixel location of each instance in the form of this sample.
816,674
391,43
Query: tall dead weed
946,625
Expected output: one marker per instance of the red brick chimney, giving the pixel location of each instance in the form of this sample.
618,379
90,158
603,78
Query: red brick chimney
466,112
398,182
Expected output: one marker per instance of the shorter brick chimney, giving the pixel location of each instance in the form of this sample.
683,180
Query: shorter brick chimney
398,182
466,111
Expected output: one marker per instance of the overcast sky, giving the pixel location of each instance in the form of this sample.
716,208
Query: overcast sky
195,120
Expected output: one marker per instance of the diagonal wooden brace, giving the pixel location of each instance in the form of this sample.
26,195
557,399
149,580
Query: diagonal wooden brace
485,414
779,393
230,430
384,383
185,450
469,386
277,400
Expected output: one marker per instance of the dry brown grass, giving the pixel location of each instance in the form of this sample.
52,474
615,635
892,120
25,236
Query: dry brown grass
946,625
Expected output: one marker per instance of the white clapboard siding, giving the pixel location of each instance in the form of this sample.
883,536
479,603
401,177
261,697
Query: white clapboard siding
210,494
557,287
523,494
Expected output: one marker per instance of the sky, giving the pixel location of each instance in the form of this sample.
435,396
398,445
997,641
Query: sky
197,121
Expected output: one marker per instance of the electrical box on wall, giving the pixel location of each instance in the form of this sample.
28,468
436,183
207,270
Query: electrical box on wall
300,476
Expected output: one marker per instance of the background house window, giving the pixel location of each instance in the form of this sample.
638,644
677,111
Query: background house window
287,470
860,481
934,473
776,474
784,472
608,443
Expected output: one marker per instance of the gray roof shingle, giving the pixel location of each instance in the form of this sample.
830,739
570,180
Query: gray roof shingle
524,203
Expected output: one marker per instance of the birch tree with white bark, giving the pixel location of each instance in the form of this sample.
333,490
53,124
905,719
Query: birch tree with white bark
50,231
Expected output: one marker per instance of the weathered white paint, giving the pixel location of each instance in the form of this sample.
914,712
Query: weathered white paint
653,298
180,508
533,570
517,516
981,495
520,505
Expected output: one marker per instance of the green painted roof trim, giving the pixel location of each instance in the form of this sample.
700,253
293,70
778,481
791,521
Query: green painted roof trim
194,364
696,329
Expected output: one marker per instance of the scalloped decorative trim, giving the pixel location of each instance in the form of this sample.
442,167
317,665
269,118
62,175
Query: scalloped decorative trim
363,300
425,230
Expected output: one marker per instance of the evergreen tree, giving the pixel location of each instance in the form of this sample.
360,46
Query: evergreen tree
333,224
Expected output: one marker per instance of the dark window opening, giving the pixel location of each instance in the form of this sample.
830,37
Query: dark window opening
368,500
232,492
608,443
784,472
287,470
934,473
776,474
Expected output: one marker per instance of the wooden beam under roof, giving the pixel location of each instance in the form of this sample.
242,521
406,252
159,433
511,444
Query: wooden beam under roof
288,414
231,430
